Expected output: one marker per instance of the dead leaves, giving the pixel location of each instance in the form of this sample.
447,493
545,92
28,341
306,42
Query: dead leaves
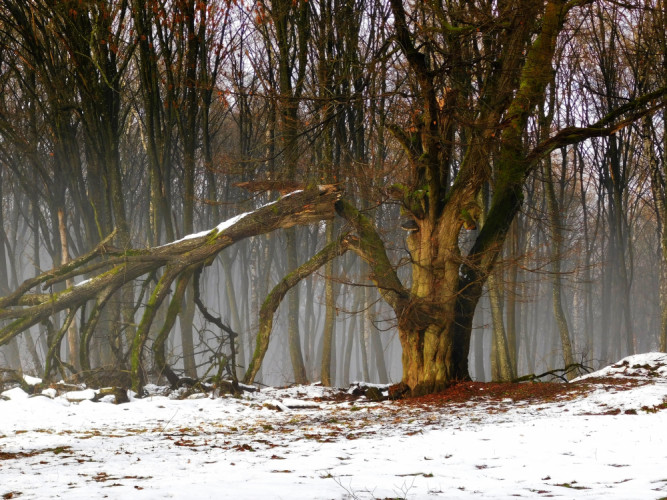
4,455
101,477
104,477
185,442
243,447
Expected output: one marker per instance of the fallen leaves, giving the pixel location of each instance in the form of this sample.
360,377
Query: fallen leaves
4,455
103,477
243,447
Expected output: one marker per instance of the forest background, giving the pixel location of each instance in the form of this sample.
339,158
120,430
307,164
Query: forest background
505,159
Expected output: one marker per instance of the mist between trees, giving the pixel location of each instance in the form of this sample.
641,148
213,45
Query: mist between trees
437,190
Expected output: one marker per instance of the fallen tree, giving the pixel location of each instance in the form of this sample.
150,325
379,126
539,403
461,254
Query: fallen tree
109,268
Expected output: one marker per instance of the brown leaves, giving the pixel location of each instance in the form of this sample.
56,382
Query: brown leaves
4,455
243,447
464,392
103,477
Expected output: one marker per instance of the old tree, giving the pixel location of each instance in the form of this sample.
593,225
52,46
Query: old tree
479,74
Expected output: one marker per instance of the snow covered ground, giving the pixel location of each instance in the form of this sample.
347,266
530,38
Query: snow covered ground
596,438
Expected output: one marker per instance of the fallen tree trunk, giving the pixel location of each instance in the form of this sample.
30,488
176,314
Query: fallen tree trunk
34,301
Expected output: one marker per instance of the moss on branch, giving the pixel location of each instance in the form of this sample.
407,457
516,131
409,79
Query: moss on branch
275,297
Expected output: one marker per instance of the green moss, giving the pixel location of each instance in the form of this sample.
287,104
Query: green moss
135,252
212,237
398,187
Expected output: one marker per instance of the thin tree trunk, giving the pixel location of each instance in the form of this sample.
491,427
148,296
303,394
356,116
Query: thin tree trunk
296,355
364,328
501,365
72,333
555,228
478,348
378,350
186,319
234,312
328,342
511,303
349,344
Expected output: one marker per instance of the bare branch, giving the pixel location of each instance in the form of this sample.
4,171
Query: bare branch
608,125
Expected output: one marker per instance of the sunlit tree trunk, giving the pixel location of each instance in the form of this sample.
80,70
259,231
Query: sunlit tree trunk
501,365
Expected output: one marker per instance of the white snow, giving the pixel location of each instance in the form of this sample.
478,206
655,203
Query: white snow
77,396
15,394
32,380
83,282
230,222
219,228
50,392
605,442
638,365
227,223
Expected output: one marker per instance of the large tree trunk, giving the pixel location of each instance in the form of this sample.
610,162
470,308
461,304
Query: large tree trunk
435,353
430,360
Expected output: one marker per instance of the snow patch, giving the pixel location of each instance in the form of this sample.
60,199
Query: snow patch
299,403
648,365
50,392
32,380
78,396
224,224
15,394
230,222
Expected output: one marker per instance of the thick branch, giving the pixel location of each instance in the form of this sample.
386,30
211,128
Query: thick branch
67,270
303,207
371,249
175,305
273,300
418,313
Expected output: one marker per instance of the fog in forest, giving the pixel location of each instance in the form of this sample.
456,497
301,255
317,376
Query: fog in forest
154,120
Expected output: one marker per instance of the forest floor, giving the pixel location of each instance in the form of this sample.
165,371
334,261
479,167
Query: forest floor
603,435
